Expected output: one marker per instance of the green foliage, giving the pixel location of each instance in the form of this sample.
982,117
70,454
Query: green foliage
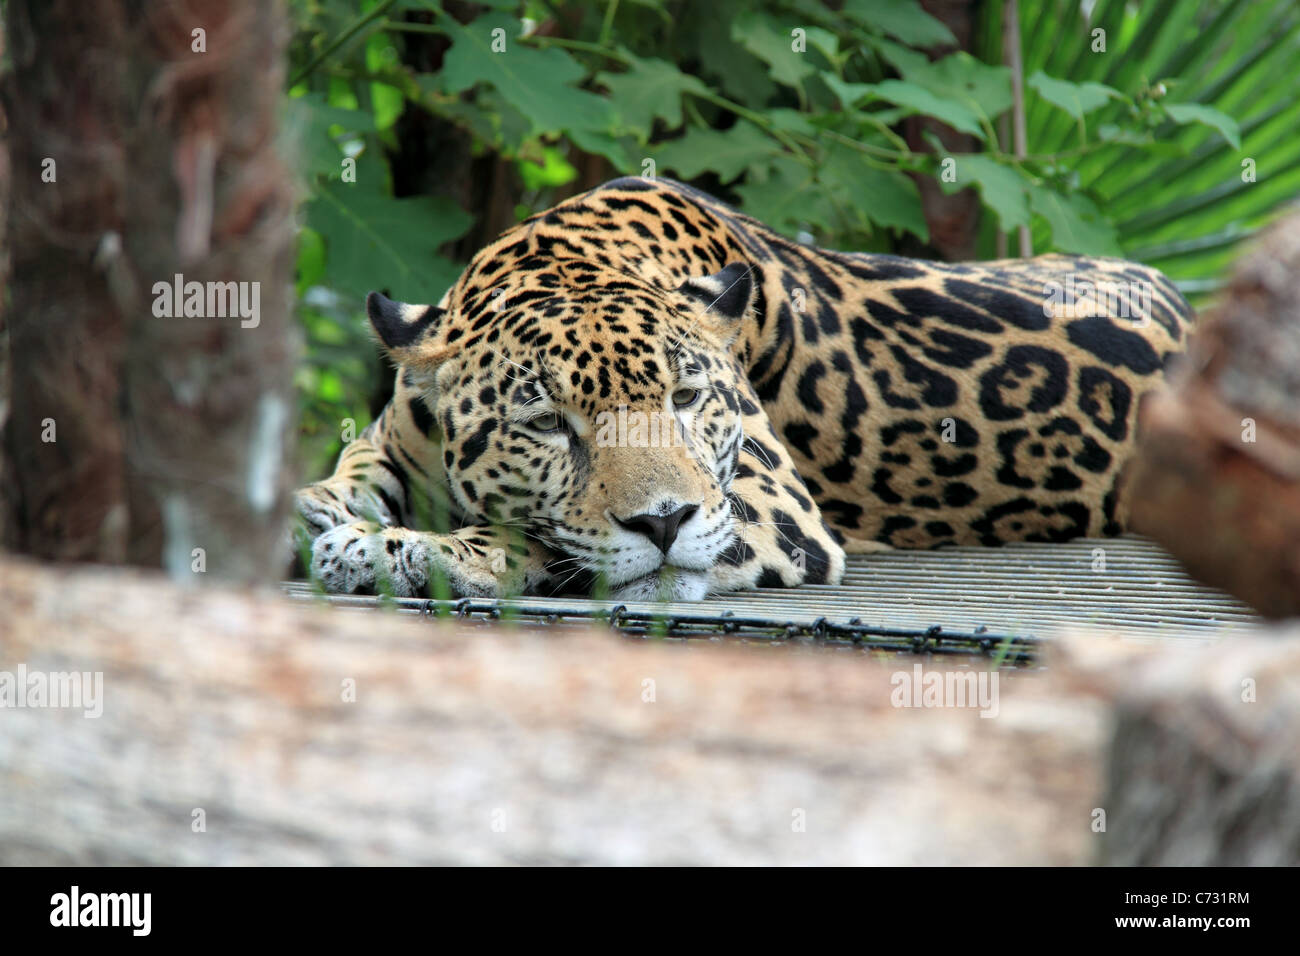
373,237
1075,98
794,111
649,89
1181,133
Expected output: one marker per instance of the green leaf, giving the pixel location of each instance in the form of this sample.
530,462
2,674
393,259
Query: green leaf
1110,133
736,71
918,99
312,121
885,197
554,170
488,117
981,88
374,240
311,260
727,153
849,94
792,121
1001,187
763,37
1075,98
902,19
1183,113
1077,224
342,94
783,195
825,41
649,90
538,83
603,144
901,58
329,388
386,101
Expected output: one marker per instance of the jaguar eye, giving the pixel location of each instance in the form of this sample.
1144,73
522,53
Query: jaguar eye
685,396
545,423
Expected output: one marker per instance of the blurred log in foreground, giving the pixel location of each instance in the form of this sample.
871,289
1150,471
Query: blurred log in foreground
1204,767
240,729
144,425
304,735
1218,476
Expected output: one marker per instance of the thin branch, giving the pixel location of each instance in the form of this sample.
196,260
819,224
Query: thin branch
1011,52
584,46
607,26
357,25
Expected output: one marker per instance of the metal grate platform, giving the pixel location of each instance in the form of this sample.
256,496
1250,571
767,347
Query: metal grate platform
993,601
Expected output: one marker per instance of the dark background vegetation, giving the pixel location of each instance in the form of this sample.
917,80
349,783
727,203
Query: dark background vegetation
1166,139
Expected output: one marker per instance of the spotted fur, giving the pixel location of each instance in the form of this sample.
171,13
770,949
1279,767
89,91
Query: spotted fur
824,401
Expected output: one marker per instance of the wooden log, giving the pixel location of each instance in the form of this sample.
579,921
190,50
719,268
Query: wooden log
488,746
243,728
1217,480
1204,765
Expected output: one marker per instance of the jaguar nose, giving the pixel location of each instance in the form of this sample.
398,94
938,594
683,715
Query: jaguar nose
661,529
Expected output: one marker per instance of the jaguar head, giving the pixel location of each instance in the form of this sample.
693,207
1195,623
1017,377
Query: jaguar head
591,410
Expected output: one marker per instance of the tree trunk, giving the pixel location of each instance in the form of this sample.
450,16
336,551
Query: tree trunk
7,479
1204,767
953,219
1218,476
142,143
64,101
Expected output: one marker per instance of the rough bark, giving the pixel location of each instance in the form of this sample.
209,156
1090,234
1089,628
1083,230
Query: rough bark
233,704
1218,478
170,429
954,218
1204,765
7,479
66,497
486,745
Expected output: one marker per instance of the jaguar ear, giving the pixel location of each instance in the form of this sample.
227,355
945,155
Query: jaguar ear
409,333
725,295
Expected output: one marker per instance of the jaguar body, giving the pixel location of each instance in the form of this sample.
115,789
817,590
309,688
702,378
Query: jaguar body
647,392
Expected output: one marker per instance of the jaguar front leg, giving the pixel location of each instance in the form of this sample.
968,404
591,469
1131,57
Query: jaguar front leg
363,488
781,540
482,562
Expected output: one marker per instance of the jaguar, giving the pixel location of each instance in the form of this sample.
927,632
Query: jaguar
818,403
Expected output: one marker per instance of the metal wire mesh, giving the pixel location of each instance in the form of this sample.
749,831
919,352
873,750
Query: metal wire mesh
1000,603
